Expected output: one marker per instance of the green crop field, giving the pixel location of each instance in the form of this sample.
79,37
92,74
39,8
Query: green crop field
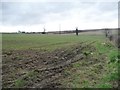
37,41
69,61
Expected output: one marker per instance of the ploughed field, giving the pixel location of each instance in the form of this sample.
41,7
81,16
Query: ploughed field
58,61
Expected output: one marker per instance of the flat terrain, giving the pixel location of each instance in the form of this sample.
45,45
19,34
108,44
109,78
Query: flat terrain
64,61
43,42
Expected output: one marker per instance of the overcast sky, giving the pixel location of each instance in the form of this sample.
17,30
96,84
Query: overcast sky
34,15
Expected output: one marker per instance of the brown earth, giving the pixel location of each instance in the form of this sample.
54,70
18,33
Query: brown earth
41,69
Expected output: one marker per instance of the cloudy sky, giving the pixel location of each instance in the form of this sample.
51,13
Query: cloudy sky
54,15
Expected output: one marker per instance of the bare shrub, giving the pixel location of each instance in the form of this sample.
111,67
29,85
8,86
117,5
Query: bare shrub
115,39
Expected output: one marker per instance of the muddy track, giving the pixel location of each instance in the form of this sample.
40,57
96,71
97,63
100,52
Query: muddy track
49,69
53,73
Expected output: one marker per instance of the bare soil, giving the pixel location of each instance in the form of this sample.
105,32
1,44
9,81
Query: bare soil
41,69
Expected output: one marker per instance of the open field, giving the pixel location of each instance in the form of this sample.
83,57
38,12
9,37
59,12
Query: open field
64,61
37,41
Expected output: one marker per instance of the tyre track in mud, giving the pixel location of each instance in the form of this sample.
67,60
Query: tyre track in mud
53,69
54,72
49,69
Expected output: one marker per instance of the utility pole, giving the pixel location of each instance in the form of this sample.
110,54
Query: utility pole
59,28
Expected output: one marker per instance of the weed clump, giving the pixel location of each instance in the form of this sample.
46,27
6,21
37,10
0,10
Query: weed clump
19,83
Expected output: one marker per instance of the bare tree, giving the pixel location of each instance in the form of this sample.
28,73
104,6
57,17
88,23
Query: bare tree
76,31
108,34
44,32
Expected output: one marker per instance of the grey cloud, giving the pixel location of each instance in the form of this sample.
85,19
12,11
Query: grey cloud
0,13
21,13
30,13
108,6
102,11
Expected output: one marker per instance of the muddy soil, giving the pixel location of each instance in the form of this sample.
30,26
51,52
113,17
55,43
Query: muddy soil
40,69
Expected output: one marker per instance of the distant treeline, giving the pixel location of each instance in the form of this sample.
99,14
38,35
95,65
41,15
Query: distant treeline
63,32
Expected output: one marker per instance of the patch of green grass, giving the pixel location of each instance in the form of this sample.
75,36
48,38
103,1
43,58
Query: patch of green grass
114,76
31,74
103,46
111,77
113,56
104,85
77,65
85,84
19,83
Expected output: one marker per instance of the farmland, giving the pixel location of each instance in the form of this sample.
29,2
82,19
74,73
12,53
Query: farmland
63,61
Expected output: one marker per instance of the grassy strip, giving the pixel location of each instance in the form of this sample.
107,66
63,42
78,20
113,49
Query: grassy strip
110,79
98,70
